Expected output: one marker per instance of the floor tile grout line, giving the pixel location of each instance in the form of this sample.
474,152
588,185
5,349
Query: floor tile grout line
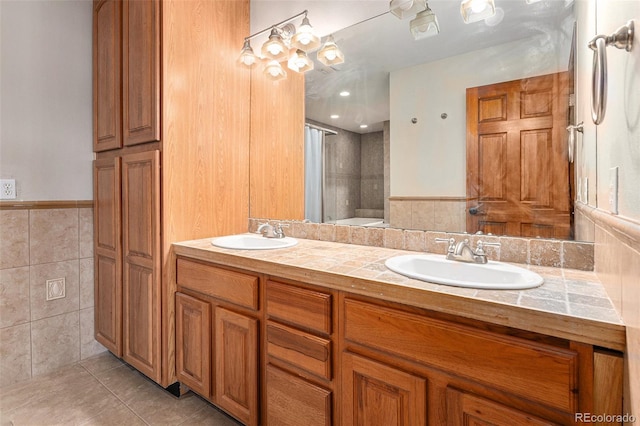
112,393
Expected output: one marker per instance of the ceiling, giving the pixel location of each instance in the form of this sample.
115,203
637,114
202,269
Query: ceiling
375,43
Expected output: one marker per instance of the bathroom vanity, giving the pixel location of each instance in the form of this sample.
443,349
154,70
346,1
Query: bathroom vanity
322,334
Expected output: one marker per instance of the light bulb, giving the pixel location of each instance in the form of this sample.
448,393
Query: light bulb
274,49
478,6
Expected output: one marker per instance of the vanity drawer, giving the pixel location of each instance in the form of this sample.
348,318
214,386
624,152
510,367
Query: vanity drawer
537,371
303,350
306,308
234,287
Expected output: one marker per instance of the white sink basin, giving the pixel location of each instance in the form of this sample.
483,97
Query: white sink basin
436,269
252,242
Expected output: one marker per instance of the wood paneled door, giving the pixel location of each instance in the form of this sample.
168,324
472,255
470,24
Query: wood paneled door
517,163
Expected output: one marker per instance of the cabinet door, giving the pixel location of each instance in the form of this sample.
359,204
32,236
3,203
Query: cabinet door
141,71
464,409
375,394
236,365
292,401
107,45
193,343
107,254
141,261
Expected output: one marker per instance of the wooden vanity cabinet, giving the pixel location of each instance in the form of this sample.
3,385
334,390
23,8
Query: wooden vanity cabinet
217,332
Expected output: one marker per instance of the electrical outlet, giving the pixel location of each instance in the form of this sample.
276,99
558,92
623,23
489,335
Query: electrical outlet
56,288
7,189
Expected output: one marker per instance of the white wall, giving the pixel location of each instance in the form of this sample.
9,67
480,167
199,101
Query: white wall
428,158
619,134
46,98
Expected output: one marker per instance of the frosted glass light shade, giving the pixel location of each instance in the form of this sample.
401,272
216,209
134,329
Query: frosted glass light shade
305,39
424,25
407,8
247,57
274,48
330,54
477,10
300,62
274,71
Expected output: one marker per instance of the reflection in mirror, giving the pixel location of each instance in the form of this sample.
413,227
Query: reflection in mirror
462,132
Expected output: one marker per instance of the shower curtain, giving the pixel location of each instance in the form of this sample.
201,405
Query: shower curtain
313,146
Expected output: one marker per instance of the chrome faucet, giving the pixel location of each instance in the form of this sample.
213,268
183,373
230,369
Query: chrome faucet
462,251
272,231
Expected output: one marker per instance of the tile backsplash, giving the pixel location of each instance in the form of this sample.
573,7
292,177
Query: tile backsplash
39,336
539,252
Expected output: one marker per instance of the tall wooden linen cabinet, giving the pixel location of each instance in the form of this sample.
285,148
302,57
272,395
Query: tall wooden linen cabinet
171,137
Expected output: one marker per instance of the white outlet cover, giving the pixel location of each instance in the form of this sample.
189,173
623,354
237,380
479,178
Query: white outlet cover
7,189
56,288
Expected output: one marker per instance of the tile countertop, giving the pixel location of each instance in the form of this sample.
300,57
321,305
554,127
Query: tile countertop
570,304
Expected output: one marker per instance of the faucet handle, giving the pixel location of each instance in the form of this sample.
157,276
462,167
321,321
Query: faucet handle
451,241
278,229
480,247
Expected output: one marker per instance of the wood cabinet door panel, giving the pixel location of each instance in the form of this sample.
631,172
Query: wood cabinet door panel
464,409
378,395
107,254
236,365
141,253
141,207
193,343
141,320
107,105
141,71
292,401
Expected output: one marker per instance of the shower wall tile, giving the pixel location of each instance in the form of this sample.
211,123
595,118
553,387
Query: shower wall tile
15,354
14,238
53,235
42,308
55,342
14,303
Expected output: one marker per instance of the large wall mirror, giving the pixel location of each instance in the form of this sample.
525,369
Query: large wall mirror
389,138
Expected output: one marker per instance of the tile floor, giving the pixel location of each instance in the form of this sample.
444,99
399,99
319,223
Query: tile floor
102,391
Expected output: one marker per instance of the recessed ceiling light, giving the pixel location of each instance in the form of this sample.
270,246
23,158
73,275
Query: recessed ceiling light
335,116
344,93
363,126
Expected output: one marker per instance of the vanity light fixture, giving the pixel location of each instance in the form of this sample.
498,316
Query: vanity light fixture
424,25
330,54
406,8
305,39
287,44
274,71
275,48
477,10
247,57
300,62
